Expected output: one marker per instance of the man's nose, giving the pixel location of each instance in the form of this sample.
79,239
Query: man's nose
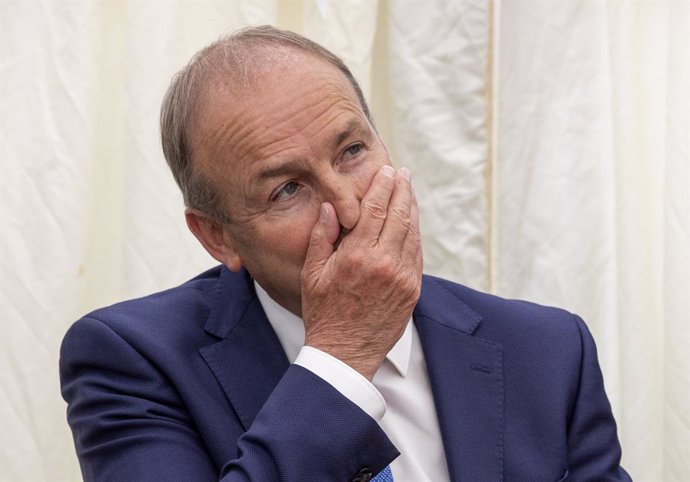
344,195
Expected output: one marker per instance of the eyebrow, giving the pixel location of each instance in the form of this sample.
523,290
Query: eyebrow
281,170
297,164
351,127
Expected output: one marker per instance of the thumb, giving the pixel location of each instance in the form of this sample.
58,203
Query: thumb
321,243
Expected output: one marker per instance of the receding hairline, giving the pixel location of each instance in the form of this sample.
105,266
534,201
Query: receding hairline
239,64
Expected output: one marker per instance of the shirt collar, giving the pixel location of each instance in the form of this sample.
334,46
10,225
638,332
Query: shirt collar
290,331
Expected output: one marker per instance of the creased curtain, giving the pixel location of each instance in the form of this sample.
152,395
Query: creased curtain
591,198
548,142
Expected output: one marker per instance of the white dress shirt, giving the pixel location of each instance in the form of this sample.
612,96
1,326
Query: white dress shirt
399,398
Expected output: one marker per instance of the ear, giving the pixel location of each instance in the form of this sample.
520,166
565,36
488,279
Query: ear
213,238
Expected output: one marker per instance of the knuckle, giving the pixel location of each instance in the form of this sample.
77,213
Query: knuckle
382,268
401,212
385,267
375,209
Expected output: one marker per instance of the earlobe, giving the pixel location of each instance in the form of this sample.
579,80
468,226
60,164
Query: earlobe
213,238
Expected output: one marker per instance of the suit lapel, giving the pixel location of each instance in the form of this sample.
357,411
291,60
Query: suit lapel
466,375
248,361
466,372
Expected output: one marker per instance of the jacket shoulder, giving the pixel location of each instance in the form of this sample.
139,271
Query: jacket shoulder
501,319
166,321
193,297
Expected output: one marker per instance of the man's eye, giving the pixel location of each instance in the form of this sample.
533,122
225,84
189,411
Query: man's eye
286,192
353,150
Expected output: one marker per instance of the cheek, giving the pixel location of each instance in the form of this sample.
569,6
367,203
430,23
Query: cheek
287,233
365,175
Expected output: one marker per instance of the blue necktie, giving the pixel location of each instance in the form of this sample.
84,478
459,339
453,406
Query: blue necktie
384,476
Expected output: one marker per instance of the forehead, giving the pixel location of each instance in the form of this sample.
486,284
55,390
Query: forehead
279,96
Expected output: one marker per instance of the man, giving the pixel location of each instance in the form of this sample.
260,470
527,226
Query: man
317,351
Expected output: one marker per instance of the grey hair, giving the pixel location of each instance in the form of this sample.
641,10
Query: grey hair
180,106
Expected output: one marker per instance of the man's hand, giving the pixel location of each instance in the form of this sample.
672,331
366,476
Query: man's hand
356,300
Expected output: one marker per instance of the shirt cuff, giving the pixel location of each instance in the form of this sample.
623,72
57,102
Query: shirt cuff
350,383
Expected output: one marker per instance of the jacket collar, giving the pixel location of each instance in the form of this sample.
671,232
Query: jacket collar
231,299
444,305
247,342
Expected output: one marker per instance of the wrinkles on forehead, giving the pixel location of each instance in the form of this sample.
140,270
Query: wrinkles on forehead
255,128
245,74
233,72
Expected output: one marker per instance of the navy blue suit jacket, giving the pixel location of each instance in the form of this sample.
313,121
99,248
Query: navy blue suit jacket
192,384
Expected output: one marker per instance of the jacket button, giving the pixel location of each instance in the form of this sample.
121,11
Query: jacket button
364,475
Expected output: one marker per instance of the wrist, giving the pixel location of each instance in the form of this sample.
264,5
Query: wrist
364,360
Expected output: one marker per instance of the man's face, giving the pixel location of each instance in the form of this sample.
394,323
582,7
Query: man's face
296,138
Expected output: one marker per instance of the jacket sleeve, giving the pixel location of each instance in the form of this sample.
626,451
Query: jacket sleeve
130,423
594,452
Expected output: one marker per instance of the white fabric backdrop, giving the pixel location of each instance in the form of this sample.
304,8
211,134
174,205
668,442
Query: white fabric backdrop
591,198
548,142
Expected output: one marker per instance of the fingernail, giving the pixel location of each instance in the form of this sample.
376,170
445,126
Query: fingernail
405,172
388,171
323,215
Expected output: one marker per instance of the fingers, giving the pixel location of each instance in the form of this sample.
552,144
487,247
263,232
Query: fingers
321,242
399,221
374,208
389,221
